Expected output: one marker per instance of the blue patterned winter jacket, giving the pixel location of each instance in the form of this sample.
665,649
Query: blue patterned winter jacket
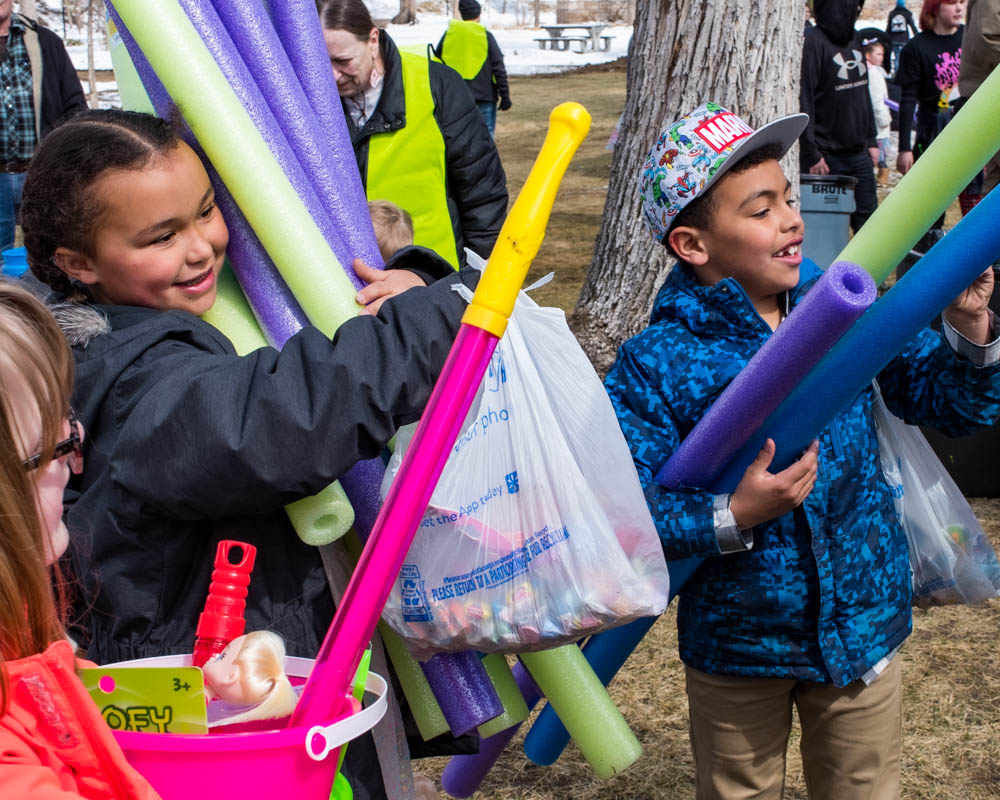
824,593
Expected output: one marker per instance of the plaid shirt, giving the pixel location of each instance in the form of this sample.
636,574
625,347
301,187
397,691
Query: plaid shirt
17,106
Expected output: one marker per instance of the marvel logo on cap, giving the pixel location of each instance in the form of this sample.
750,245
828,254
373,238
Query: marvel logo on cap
722,131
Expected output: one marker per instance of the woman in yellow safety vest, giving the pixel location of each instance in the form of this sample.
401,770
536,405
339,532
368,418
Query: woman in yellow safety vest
419,139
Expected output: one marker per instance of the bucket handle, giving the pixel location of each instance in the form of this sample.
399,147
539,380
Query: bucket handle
351,727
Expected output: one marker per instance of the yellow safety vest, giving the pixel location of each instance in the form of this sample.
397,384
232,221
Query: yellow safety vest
407,166
465,48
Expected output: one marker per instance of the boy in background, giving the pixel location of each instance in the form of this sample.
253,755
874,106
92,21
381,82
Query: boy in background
804,595
393,227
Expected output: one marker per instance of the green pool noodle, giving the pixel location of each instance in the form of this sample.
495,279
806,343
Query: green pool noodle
423,705
923,194
130,89
585,708
241,157
515,710
327,515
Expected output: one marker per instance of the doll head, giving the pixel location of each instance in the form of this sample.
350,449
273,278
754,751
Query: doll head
251,671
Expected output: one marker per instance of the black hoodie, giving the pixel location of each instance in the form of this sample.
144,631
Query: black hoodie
834,89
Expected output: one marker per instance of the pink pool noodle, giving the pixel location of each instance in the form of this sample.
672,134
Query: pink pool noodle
463,774
298,27
830,307
324,696
264,55
223,50
276,310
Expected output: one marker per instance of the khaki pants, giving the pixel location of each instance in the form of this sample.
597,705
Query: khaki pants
850,736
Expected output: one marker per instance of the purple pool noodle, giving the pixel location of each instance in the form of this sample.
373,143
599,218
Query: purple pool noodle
298,27
838,298
464,774
277,311
362,483
881,334
264,55
220,45
463,690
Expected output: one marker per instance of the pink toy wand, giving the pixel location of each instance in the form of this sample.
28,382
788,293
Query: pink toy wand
324,697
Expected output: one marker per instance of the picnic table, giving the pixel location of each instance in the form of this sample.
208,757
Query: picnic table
590,35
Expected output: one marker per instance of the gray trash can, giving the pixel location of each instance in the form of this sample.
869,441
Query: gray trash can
827,204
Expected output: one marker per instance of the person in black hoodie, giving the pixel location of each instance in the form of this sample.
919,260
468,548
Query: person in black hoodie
840,136
471,50
188,443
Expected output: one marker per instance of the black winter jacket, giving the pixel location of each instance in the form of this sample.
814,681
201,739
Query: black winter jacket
62,94
188,444
477,185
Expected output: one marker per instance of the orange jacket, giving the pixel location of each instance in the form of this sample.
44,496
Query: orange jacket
54,745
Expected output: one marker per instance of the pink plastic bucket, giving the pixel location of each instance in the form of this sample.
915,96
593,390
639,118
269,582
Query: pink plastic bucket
298,763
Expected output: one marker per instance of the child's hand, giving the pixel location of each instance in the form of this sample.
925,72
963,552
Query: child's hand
762,496
968,312
382,284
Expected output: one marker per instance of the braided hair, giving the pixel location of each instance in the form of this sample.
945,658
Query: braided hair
58,202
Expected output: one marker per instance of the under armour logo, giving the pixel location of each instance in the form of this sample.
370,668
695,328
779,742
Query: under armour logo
857,63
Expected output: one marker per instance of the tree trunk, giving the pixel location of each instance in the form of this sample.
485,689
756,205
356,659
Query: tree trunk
407,13
744,55
538,3
28,8
91,77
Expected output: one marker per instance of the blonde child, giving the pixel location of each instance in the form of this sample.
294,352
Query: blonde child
393,227
879,92
53,740
189,443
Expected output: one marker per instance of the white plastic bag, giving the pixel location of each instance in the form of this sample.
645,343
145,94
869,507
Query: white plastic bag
538,532
951,559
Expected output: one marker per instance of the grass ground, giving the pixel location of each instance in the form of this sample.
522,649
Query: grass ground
951,738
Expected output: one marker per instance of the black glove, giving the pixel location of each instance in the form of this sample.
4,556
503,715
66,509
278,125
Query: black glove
505,103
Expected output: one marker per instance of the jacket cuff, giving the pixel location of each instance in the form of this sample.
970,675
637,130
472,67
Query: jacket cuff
981,355
422,262
728,535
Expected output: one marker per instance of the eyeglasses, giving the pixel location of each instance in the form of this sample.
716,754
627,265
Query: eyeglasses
72,447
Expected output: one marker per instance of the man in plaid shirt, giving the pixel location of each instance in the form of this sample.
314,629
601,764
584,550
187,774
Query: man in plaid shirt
38,87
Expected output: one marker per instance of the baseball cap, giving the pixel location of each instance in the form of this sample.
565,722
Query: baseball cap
691,154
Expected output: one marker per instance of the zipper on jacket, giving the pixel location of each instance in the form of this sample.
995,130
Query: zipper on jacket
836,439
108,768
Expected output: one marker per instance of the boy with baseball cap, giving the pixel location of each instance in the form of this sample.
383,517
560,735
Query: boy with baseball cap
804,594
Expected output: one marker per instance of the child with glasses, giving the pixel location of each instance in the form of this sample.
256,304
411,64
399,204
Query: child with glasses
53,740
